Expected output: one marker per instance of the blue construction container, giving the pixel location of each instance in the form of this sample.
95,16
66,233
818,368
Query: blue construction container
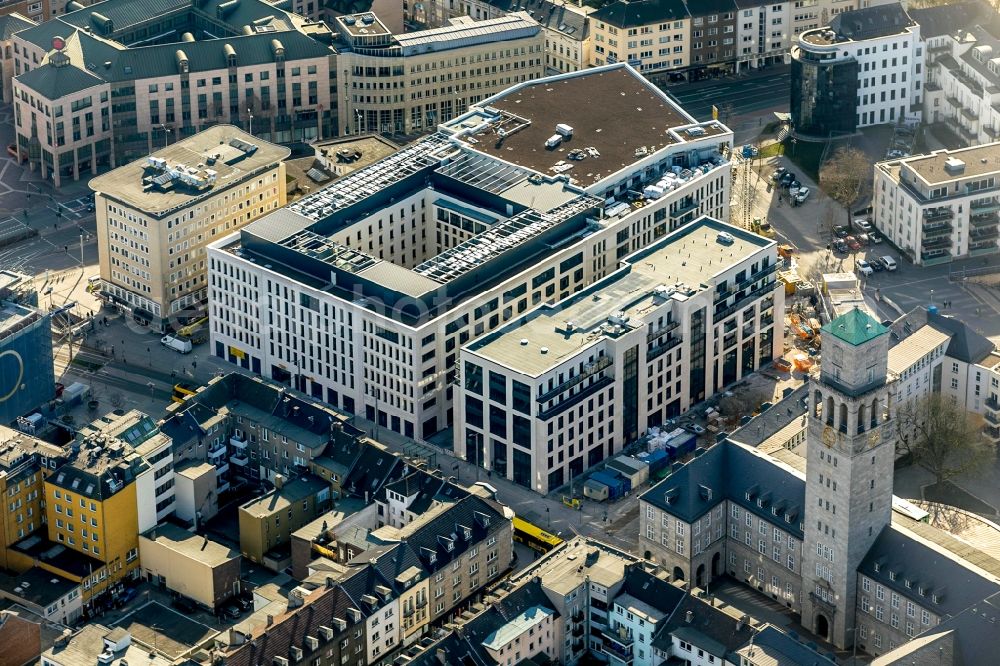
656,460
615,484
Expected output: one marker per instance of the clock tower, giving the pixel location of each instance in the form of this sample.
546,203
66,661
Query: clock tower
850,452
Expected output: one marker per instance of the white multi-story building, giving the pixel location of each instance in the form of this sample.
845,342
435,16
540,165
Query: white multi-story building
963,69
363,294
942,205
864,68
557,391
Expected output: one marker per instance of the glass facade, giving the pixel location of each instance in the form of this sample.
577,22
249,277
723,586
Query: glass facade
824,95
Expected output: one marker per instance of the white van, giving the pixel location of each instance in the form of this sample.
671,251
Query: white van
889,263
553,141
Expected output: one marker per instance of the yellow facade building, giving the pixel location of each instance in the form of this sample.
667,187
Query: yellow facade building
24,464
92,510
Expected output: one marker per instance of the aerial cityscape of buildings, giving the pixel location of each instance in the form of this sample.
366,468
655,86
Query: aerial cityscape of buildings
499,333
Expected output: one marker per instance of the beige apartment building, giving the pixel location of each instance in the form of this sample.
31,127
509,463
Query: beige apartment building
411,82
189,564
156,215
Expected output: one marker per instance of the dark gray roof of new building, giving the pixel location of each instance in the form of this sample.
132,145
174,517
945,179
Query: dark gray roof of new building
426,487
465,648
974,632
552,15
52,82
444,531
709,628
653,591
624,14
871,22
901,558
373,469
765,424
965,345
293,628
14,22
730,471
946,19
784,650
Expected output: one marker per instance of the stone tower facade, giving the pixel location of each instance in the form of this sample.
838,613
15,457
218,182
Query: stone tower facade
850,453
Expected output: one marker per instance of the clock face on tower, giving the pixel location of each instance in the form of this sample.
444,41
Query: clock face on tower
829,436
874,438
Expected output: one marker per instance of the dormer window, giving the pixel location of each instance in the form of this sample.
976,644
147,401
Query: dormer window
877,567
892,575
908,584
749,496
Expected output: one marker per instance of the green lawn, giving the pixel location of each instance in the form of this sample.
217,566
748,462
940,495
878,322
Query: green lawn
805,154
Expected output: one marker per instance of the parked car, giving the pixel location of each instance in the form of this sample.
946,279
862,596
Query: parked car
840,231
794,185
786,178
783,364
861,224
695,428
802,194
246,603
876,265
232,611
874,238
778,173
888,262
852,243
865,268
12,150
128,595
840,246
184,605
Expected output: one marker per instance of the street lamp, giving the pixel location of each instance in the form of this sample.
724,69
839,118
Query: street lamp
854,645
250,114
794,141
166,134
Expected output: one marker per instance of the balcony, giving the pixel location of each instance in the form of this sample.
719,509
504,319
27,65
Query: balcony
216,454
221,469
684,210
967,81
574,400
588,371
934,214
578,616
983,233
578,631
937,243
982,206
993,433
759,292
820,601
954,102
670,326
984,221
993,403
239,460
237,443
979,248
619,648
937,229
662,348
933,257
970,115
965,132
222,486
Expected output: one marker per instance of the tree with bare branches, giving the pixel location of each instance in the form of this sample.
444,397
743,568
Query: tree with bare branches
942,437
846,177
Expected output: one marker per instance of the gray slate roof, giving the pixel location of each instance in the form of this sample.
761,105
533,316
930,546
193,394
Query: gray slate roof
54,82
709,629
786,650
945,19
14,22
957,587
631,14
965,345
551,15
767,423
731,471
871,22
